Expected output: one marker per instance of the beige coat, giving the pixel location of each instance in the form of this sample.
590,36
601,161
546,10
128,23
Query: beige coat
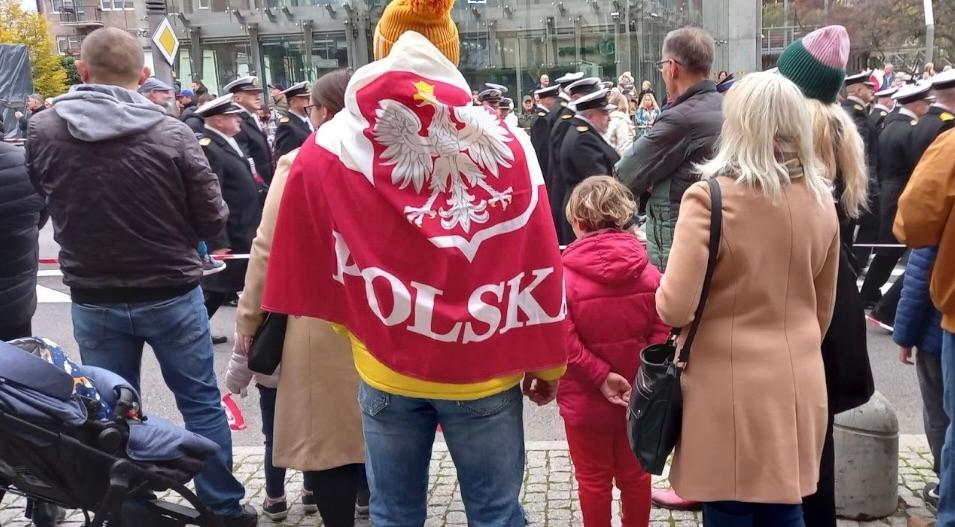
317,421
755,408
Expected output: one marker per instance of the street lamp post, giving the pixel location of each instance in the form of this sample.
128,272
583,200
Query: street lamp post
929,31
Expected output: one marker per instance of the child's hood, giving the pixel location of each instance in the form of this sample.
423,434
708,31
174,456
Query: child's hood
608,256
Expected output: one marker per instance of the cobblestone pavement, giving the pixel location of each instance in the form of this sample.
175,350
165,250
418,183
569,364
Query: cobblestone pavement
549,493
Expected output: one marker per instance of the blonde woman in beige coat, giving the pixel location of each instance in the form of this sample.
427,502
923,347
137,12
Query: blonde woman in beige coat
317,422
755,408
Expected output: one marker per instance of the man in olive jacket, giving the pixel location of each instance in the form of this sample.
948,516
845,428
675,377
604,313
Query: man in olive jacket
663,159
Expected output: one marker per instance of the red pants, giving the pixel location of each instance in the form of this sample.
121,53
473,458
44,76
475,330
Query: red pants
600,458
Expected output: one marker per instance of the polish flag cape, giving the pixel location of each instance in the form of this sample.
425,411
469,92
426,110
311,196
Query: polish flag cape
420,223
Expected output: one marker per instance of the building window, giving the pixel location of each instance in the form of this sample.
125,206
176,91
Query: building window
203,4
56,5
110,5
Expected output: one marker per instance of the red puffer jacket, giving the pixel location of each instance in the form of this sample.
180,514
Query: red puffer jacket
611,316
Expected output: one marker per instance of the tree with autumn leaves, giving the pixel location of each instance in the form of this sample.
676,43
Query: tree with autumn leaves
880,30
18,26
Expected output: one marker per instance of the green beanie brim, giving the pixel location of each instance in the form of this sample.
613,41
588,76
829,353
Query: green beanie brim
815,79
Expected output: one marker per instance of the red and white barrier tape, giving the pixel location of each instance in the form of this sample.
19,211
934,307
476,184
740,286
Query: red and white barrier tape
56,261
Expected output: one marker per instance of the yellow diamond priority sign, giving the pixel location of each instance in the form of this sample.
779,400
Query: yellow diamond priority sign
166,41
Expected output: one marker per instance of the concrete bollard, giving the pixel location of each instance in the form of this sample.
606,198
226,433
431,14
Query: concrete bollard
867,460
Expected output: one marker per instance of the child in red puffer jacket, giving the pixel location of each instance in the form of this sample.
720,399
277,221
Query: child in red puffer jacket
612,315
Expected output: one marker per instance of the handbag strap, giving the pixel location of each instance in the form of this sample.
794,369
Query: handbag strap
716,229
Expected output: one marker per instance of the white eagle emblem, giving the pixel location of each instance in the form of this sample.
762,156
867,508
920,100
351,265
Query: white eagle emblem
453,155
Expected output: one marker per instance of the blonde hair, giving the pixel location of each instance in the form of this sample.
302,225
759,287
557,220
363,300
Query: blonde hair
619,100
842,153
600,202
765,113
653,99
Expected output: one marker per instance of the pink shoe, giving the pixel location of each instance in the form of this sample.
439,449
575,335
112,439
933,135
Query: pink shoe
668,499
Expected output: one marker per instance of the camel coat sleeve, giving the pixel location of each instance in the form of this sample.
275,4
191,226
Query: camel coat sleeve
682,284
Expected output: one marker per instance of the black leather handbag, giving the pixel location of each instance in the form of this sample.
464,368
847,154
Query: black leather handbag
265,353
655,415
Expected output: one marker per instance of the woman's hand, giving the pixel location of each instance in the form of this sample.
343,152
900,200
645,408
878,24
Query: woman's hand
242,343
616,389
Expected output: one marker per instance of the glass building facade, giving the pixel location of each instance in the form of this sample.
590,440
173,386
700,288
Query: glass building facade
510,42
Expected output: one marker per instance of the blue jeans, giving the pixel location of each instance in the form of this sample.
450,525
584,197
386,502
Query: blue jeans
739,514
274,476
946,502
485,438
112,336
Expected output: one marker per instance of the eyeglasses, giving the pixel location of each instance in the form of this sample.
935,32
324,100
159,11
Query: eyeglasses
660,64
310,107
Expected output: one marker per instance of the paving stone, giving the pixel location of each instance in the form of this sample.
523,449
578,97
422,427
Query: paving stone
549,494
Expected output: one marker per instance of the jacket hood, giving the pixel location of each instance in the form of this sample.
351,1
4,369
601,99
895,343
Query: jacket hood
96,112
607,256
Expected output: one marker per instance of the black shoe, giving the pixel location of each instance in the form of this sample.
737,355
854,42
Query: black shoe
275,510
930,495
247,518
219,339
309,505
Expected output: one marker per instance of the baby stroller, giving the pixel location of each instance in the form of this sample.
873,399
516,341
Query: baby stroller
75,436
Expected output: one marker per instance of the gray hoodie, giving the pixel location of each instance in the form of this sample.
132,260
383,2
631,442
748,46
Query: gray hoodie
97,112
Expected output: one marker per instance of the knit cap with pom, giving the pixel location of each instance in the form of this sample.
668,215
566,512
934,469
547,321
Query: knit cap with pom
431,18
817,62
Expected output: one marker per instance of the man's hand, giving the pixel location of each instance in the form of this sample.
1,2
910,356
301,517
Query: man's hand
616,389
242,343
905,355
18,115
539,391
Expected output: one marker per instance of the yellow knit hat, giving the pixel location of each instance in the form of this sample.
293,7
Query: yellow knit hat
431,18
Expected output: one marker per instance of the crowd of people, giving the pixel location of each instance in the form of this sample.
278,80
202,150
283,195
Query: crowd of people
381,209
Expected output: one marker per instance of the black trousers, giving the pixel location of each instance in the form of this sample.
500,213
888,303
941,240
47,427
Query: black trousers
868,233
819,509
336,491
879,273
214,300
16,332
885,310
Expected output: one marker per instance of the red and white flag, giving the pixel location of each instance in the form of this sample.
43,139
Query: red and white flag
421,224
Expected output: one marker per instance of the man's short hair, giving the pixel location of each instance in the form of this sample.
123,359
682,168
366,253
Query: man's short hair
113,56
36,97
692,47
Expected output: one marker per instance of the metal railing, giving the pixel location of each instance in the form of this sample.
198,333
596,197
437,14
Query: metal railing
81,15
775,39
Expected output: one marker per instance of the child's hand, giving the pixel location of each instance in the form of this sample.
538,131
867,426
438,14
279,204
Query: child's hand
616,389
905,355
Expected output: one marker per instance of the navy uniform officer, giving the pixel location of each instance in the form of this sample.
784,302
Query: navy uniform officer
540,129
247,95
860,89
295,126
940,116
559,128
229,162
896,164
884,105
585,152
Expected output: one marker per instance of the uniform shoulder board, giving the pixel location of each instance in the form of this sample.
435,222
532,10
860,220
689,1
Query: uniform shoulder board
566,116
882,113
283,120
583,128
946,116
563,104
205,141
913,122
542,113
859,108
